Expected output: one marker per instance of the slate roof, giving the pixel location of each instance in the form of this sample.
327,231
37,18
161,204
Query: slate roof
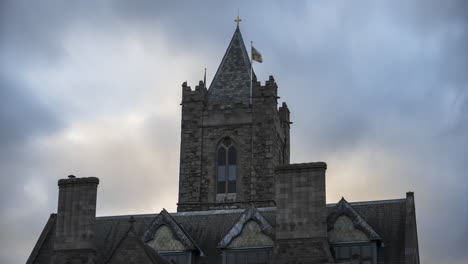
231,83
208,228
387,218
130,237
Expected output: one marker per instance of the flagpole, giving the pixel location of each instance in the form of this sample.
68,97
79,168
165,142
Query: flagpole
251,70
204,78
252,130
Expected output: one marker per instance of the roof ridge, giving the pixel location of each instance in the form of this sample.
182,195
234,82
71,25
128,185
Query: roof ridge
371,202
206,212
124,216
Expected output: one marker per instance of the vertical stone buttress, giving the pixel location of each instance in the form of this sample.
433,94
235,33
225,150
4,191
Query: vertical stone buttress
76,216
301,227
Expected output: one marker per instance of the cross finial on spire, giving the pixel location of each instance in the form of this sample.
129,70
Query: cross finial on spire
237,20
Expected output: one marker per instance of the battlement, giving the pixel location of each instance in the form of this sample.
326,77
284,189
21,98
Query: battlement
270,89
197,95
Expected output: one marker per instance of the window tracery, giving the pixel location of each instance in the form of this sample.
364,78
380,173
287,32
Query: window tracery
226,167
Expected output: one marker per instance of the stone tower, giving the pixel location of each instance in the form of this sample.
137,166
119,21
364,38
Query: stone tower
232,139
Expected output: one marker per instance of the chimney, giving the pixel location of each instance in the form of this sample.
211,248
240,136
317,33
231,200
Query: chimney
76,216
411,231
301,214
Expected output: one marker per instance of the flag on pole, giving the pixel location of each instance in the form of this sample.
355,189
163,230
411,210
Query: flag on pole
256,56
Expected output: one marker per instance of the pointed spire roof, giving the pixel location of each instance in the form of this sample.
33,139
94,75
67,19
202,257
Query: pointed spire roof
231,83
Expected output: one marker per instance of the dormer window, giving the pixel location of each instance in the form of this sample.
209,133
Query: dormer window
226,167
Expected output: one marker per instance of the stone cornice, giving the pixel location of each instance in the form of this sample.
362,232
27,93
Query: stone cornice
320,165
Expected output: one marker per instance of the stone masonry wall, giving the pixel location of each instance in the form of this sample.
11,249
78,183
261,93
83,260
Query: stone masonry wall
75,224
191,143
268,142
205,124
301,228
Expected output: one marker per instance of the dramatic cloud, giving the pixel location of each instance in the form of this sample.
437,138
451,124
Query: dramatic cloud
377,89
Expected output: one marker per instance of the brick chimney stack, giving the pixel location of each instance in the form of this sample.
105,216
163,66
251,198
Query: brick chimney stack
76,216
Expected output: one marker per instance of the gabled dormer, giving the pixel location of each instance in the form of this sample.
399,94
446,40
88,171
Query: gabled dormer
351,237
169,239
249,240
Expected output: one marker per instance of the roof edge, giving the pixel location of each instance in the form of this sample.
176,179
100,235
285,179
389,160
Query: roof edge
40,241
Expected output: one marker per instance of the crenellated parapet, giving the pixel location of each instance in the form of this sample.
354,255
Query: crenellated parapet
270,89
197,95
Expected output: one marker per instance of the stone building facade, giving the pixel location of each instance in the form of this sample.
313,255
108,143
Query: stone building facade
240,199
257,129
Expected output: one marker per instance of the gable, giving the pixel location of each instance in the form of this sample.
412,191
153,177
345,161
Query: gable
251,236
344,231
350,222
131,249
166,234
250,229
164,240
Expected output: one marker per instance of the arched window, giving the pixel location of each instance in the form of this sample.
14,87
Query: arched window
226,167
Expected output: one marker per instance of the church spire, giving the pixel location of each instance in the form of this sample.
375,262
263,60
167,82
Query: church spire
231,83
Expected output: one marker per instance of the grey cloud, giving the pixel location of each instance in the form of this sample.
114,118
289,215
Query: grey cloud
22,115
23,118
369,77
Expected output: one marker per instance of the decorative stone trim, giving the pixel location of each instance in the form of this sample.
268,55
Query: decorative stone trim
250,213
320,165
72,180
344,208
164,218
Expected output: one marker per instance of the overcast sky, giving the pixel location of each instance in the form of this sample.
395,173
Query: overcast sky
377,89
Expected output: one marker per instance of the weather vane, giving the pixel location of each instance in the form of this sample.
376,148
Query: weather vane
237,20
